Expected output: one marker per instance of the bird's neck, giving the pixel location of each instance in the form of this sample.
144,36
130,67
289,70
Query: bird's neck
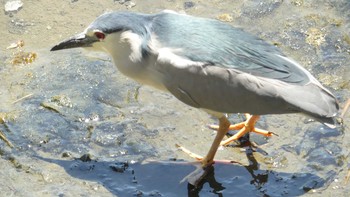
127,57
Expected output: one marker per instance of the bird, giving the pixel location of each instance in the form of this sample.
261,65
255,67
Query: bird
209,65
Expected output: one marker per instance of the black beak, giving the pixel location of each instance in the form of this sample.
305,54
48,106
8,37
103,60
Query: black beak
79,40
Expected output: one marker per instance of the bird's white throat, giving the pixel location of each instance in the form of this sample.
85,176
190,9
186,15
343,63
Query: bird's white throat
125,50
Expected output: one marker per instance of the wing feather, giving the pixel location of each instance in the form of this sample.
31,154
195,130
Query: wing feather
219,44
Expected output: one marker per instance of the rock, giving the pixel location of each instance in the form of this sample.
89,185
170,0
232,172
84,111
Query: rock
119,167
13,6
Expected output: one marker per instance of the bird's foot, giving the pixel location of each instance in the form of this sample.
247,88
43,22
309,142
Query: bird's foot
190,153
244,127
204,162
195,177
203,167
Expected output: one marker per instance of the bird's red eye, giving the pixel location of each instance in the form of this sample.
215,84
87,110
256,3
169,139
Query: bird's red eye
100,35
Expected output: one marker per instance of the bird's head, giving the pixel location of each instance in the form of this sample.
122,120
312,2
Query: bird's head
109,33
90,39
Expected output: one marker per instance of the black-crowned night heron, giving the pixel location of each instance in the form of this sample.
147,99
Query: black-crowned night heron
209,65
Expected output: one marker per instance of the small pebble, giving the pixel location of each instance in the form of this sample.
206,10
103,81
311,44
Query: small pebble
119,167
12,6
130,4
121,1
66,154
188,4
86,158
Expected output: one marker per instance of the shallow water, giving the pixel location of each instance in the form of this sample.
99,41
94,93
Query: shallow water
68,104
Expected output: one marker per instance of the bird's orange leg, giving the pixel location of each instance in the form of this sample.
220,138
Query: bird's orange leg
244,127
209,158
196,176
224,125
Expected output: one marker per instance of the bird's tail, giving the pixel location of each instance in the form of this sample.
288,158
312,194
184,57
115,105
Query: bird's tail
315,101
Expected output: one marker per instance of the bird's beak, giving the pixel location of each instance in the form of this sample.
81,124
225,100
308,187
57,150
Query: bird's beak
79,40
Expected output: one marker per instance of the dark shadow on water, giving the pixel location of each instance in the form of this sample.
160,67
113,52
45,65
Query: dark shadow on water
164,178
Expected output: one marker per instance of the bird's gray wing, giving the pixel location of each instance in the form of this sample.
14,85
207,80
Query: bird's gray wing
233,71
228,90
219,44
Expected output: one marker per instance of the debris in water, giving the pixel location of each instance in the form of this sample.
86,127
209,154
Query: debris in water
315,37
20,56
4,138
15,45
24,97
225,17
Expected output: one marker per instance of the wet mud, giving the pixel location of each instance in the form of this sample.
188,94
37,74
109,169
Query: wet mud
72,125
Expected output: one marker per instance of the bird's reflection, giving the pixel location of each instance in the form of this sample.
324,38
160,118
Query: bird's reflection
258,180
